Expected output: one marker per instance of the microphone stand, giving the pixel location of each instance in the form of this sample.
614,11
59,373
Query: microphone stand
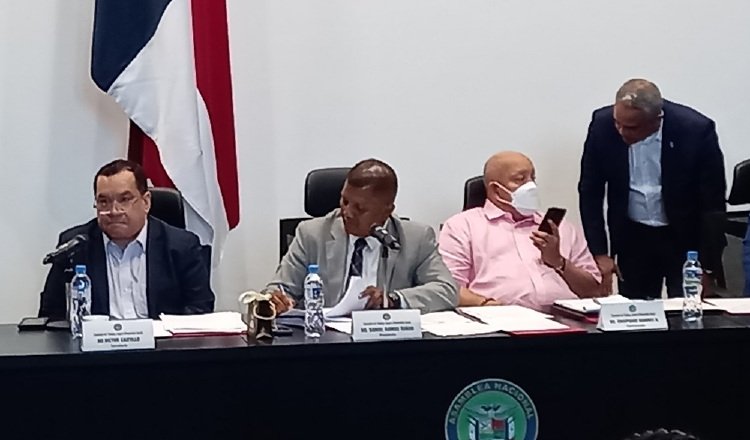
383,264
64,324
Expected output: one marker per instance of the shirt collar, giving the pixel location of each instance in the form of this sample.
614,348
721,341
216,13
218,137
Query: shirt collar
494,212
654,137
141,238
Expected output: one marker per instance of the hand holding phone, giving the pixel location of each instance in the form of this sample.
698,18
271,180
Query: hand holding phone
554,214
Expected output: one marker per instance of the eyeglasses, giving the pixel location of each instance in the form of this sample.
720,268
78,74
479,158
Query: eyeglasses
125,202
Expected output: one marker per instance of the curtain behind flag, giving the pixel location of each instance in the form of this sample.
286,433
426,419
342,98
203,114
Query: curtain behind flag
166,63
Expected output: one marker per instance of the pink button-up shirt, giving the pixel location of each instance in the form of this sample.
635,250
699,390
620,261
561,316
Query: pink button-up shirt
492,255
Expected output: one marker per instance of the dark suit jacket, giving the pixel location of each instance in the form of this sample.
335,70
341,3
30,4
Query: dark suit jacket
693,182
177,277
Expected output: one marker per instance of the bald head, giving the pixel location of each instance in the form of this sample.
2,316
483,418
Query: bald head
637,110
641,94
501,165
504,172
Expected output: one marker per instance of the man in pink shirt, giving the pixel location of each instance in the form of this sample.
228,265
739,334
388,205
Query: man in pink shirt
497,255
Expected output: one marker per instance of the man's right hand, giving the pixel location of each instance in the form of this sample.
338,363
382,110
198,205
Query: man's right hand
281,301
607,268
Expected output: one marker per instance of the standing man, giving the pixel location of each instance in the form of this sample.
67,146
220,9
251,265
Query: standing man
663,173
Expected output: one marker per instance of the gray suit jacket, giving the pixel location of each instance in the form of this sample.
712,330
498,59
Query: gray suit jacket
416,271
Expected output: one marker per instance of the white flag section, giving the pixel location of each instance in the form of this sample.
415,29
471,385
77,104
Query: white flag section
159,92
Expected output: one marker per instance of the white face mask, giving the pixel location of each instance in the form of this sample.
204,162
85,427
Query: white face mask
525,198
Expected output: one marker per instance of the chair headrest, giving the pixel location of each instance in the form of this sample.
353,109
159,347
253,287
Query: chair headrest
323,190
474,193
167,205
740,192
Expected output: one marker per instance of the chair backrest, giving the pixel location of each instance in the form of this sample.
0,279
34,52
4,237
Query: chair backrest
323,190
322,193
740,192
474,193
167,205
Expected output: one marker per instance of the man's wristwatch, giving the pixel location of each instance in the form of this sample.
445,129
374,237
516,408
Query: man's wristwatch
561,268
394,300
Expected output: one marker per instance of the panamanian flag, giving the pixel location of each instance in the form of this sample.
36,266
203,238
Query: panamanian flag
166,63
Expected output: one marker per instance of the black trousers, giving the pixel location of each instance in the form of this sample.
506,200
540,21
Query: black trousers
647,257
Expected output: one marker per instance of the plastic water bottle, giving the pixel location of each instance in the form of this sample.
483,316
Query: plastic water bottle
314,319
80,300
692,305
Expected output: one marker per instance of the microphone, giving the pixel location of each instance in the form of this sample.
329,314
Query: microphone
384,237
66,249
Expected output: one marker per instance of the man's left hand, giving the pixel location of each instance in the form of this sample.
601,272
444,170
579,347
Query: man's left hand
375,297
548,245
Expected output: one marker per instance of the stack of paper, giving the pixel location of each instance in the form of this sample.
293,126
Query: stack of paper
675,305
735,306
516,319
589,305
593,305
220,323
450,323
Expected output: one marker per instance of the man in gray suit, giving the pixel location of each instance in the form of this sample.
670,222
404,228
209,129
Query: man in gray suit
340,244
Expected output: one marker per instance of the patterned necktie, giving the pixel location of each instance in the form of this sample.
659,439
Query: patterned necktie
355,267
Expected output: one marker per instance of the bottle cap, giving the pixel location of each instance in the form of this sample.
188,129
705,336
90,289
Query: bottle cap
312,268
80,268
692,255
96,318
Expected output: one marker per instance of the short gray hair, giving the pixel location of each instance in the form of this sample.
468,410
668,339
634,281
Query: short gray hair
641,94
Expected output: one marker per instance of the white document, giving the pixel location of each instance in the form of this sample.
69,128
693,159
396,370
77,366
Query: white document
495,314
450,323
675,305
589,305
212,323
343,325
514,318
348,304
351,300
735,306
159,330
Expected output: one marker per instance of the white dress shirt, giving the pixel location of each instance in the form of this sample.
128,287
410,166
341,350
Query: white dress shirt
370,260
370,264
645,204
126,273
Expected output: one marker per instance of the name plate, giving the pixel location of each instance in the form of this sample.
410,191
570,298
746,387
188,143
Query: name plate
130,334
379,325
632,315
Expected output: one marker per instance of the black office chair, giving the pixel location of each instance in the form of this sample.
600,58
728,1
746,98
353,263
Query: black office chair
322,193
168,206
474,193
739,195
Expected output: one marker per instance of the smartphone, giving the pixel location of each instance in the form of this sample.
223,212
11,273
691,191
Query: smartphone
33,323
554,214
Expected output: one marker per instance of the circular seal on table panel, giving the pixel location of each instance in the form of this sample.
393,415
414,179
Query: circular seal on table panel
492,409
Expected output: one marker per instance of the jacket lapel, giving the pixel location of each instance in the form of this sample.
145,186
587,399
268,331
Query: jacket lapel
386,276
668,150
97,268
155,260
336,247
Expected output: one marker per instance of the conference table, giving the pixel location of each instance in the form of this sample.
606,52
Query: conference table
587,385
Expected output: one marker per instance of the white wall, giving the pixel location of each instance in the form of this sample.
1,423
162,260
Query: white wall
431,86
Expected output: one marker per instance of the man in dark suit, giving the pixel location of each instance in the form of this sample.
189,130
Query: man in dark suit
139,266
663,172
